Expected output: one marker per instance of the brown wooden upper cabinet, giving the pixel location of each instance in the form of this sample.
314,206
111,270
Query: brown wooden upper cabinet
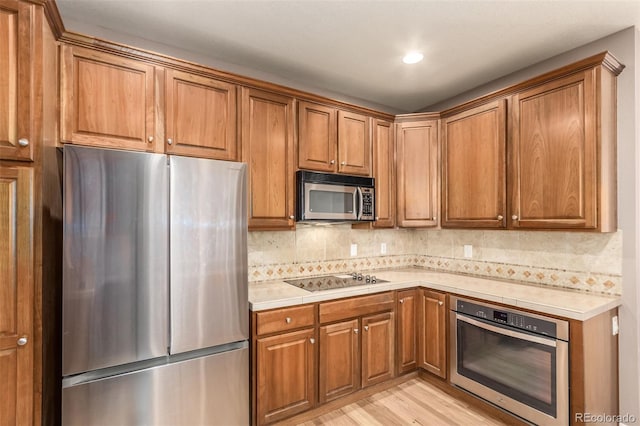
106,100
16,69
331,140
268,149
417,169
474,167
563,154
200,116
547,163
384,173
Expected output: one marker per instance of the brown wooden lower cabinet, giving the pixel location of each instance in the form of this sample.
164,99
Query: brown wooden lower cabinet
407,333
339,372
378,348
432,351
362,341
286,375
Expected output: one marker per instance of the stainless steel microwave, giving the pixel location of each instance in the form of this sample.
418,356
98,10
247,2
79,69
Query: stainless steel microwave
326,197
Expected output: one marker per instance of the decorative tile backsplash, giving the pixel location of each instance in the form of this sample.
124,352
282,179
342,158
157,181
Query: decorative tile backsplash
581,261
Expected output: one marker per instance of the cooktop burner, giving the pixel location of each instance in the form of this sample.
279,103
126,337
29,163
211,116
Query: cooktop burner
329,282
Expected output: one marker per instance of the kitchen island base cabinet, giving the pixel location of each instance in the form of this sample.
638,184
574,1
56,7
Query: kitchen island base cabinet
285,381
339,371
433,332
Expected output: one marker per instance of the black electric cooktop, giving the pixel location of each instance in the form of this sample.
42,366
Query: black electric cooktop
330,282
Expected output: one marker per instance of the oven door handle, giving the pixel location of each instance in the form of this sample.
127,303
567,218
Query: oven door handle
507,332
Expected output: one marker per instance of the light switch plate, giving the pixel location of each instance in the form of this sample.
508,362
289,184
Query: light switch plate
468,250
383,248
354,249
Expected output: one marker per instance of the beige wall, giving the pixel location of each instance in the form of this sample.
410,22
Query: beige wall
580,261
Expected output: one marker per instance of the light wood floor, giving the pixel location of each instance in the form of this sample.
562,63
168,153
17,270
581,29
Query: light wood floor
414,402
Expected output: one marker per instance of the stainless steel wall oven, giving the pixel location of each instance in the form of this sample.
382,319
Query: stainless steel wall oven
516,360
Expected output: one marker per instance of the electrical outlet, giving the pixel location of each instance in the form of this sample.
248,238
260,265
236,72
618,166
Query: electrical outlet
354,249
615,327
383,248
468,250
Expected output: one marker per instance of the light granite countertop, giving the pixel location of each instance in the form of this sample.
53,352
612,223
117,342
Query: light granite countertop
549,300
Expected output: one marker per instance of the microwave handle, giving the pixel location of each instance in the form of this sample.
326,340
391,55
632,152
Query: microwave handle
360,203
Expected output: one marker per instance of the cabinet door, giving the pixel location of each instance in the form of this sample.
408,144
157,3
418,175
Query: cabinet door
316,137
407,333
474,167
354,144
16,289
554,167
378,348
106,100
417,168
200,116
268,149
16,69
433,337
285,375
339,372
384,174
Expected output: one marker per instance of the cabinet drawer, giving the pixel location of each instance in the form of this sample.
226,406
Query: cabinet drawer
284,319
355,307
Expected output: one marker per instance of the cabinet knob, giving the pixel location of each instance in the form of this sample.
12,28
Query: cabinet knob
366,328
514,217
355,330
22,341
500,217
169,141
150,139
401,300
433,218
312,340
292,217
440,302
344,163
332,162
287,320
377,218
23,142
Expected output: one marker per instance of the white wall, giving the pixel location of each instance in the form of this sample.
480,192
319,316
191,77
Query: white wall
624,45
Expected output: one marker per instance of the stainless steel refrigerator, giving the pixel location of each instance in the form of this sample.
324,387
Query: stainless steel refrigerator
155,300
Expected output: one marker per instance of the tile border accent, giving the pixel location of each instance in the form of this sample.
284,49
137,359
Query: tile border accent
575,280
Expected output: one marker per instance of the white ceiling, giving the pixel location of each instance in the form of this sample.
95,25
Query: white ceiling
355,47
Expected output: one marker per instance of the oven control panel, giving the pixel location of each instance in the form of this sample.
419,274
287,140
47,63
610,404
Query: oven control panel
518,320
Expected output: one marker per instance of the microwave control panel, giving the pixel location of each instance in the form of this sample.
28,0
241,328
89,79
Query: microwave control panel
367,204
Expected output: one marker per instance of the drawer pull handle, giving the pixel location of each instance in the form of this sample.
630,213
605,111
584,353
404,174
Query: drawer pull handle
287,320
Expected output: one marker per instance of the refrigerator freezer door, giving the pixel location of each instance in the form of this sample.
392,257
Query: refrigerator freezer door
212,390
208,234
115,288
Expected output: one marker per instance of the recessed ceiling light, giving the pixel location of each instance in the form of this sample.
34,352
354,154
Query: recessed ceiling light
412,58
